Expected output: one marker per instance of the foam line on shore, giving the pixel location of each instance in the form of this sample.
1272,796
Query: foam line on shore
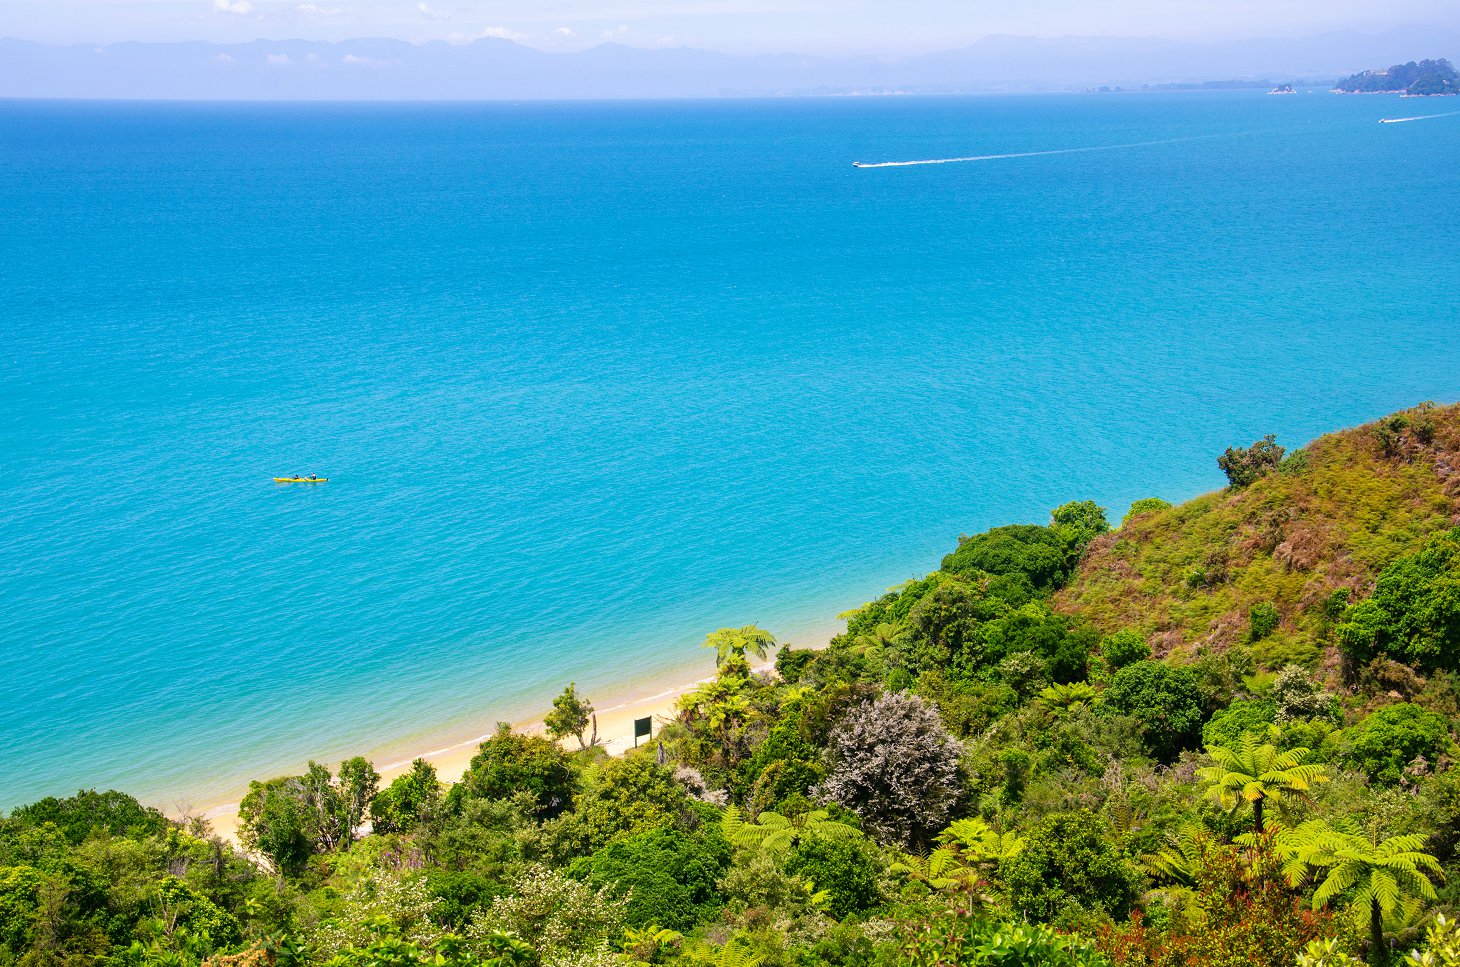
1037,154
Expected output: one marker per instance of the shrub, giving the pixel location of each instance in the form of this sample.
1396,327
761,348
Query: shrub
1262,620
1243,715
1294,464
1221,674
381,901
1041,554
1079,522
20,889
1245,465
620,797
667,876
955,940
559,917
1069,871
1146,505
947,628
1166,700
1032,629
1414,612
509,763
459,893
841,868
1124,647
1070,660
78,816
1240,911
1385,743
274,823
791,663
1024,672
894,764
1297,696
413,800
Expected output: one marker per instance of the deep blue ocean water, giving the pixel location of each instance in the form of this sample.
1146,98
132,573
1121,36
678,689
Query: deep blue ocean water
592,380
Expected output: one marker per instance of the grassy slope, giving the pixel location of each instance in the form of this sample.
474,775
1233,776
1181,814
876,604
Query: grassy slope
1188,575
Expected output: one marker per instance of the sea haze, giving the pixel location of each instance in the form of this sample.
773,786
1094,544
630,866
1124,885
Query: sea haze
592,380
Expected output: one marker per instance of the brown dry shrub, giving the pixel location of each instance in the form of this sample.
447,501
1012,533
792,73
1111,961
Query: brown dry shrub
252,957
1386,677
1165,642
1227,630
1304,548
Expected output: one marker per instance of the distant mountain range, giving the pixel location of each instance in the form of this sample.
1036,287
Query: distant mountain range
501,69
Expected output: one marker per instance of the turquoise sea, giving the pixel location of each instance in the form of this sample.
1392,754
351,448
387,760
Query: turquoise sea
592,380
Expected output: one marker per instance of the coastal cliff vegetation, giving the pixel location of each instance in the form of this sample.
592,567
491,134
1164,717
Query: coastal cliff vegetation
1427,78
1220,732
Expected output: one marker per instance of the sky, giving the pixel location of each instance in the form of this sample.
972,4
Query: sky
866,27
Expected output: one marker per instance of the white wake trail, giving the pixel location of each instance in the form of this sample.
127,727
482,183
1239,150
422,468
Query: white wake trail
1418,117
1033,154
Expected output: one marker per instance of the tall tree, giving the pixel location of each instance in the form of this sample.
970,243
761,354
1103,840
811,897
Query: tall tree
358,782
571,715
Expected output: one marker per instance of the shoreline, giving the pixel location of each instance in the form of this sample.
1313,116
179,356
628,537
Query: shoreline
615,731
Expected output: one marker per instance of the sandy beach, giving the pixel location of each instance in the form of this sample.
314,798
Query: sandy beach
615,733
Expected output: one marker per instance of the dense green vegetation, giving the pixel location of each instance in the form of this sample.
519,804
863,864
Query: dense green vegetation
1220,734
1425,78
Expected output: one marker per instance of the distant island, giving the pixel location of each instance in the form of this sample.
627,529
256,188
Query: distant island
1283,89
1428,78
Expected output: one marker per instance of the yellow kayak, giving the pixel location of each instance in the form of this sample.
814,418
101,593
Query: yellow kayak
301,480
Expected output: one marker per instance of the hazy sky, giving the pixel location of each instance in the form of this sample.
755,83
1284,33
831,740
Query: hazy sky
889,27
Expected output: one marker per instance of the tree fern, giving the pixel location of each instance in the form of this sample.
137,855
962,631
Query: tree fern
778,835
1378,881
1254,772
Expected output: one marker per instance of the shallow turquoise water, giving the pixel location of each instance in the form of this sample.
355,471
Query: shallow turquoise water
592,380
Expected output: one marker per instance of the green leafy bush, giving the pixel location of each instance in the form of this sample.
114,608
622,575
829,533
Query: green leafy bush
1414,612
843,869
1296,696
668,876
1243,715
1124,647
964,941
620,798
1044,555
1146,505
1166,700
78,816
510,763
1383,745
274,822
1262,620
1244,466
413,800
1069,872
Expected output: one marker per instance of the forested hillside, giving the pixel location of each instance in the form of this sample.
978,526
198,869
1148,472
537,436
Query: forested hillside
1424,79
1219,733
1305,539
